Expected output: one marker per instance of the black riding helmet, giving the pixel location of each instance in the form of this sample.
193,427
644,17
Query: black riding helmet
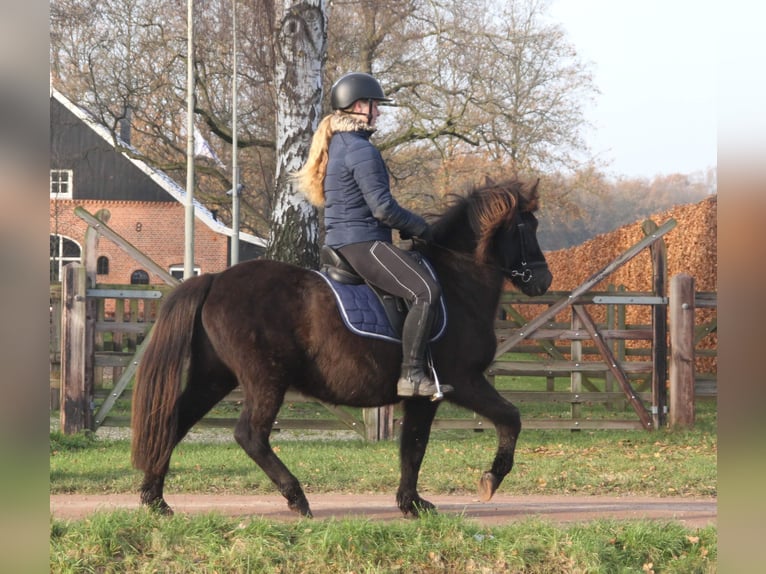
355,86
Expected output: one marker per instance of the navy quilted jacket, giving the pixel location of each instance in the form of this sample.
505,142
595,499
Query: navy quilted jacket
359,205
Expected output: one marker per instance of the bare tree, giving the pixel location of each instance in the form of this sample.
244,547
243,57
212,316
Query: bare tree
256,139
480,86
301,40
477,83
130,54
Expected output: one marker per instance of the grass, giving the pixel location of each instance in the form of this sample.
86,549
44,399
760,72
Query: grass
141,542
659,463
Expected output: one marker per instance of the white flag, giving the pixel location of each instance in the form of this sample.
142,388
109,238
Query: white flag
202,148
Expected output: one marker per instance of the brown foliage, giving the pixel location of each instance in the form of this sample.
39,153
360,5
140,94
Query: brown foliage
691,249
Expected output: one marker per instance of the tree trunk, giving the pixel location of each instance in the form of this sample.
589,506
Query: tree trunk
302,44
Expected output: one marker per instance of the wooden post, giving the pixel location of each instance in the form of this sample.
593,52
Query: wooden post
54,346
682,351
379,423
611,322
659,327
576,376
90,261
75,396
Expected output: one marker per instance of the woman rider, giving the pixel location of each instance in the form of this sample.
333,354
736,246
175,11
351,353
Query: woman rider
347,175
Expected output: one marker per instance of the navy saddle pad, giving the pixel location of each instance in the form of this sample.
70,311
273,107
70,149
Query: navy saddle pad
364,314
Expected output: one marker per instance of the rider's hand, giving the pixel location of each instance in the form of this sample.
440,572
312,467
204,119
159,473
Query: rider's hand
426,235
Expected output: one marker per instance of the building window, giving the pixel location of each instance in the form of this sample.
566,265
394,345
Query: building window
177,271
61,183
63,250
139,277
102,265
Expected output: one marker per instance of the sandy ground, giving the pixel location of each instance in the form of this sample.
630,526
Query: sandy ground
693,513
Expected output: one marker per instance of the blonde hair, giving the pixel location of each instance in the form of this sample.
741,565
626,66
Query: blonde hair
310,178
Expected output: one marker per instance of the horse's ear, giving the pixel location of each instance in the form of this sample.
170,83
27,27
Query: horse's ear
534,193
532,197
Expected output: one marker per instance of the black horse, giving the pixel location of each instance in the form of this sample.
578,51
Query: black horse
269,326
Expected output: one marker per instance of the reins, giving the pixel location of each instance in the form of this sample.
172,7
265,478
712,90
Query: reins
526,275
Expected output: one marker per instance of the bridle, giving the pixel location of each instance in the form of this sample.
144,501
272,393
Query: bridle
526,273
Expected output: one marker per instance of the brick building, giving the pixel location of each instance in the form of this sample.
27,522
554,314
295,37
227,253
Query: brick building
145,206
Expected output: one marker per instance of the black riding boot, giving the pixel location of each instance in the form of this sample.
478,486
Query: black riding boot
414,379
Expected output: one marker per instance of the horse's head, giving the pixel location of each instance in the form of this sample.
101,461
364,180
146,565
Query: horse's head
503,217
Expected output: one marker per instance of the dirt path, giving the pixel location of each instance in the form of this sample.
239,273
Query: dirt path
501,509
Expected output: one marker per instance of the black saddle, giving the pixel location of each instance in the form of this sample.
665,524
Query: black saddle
335,266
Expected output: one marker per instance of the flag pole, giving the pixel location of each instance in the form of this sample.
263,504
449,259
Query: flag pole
189,205
234,164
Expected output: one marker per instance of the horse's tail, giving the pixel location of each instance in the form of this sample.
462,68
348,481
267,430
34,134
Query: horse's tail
159,377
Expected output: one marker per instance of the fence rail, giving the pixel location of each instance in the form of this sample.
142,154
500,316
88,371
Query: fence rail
568,348
545,356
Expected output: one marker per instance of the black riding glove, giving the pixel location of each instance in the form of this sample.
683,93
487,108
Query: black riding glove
426,235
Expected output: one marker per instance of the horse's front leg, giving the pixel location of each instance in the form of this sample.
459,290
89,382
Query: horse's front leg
482,398
416,430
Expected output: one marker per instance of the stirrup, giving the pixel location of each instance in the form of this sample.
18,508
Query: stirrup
405,387
440,389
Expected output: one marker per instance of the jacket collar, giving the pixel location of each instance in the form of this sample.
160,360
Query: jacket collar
343,122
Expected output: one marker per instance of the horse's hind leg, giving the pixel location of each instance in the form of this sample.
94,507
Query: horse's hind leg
197,399
152,491
252,433
416,431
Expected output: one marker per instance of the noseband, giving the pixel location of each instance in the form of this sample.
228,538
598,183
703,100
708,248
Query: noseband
525,273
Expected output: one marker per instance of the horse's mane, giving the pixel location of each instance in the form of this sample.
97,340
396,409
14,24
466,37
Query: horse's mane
487,209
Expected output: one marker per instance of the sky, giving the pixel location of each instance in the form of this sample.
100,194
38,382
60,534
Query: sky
655,63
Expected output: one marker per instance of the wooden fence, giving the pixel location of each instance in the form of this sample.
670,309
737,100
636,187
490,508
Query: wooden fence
571,352
558,367
594,368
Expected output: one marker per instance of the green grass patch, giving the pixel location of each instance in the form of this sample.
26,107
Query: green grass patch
139,541
657,463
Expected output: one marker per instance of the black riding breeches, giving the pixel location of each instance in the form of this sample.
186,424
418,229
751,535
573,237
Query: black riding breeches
393,270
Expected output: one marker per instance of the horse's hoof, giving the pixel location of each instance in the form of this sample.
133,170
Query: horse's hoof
301,507
488,484
414,505
160,507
